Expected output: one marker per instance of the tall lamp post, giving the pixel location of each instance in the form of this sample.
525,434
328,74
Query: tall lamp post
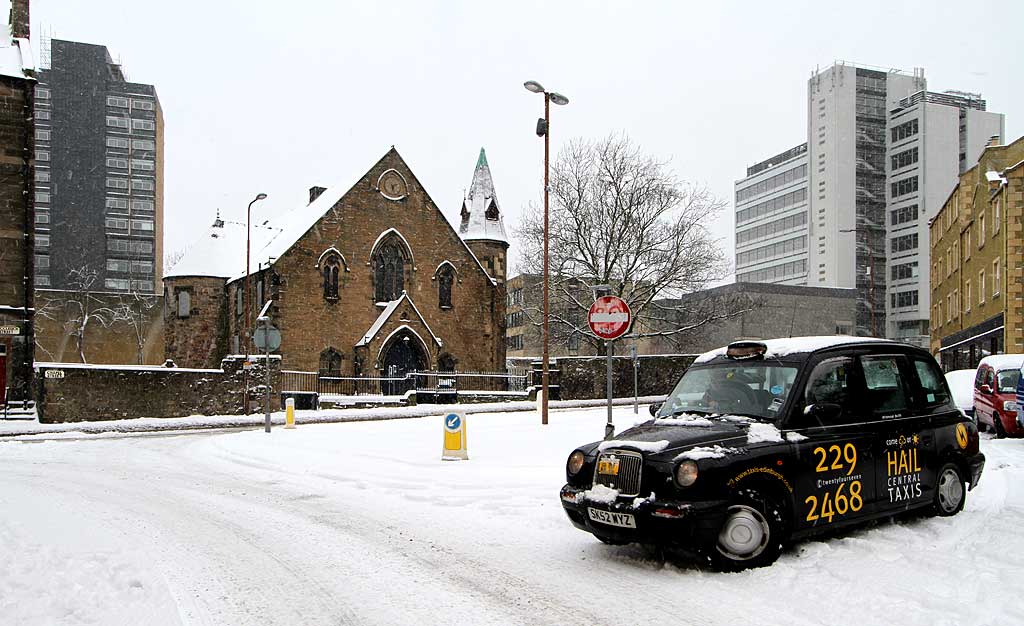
245,318
543,126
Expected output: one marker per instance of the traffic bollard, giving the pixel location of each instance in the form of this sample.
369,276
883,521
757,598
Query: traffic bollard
289,413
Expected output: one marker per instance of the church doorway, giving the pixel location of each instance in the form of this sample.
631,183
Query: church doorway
403,354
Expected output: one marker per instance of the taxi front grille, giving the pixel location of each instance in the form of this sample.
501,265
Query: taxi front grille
627,479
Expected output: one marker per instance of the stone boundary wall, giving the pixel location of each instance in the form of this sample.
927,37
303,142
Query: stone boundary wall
584,378
74,392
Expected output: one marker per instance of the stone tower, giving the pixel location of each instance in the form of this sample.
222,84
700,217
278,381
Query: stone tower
482,226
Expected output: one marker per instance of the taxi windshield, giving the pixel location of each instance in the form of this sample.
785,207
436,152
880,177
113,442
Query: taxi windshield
752,389
1008,380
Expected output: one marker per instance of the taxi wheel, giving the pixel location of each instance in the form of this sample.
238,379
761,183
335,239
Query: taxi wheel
752,534
950,492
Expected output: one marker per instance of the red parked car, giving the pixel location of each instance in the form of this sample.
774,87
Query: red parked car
995,387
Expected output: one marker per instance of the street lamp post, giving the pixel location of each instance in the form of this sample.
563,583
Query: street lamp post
543,126
245,318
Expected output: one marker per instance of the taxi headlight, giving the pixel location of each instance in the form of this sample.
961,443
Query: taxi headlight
575,462
686,473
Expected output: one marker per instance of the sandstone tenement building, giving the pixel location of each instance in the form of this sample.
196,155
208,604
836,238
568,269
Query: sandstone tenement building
365,281
17,246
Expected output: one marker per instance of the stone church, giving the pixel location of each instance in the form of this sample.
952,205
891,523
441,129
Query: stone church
367,281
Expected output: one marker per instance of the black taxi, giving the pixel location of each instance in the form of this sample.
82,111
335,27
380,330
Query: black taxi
761,442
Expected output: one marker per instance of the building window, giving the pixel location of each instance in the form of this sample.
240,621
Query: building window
143,144
967,296
42,93
117,265
904,243
142,105
956,303
143,124
142,205
184,300
904,271
330,363
142,185
331,271
774,182
117,183
42,241
903,299
981,287
142,165
143,225
995,215
42,176
117,122
117,142
996,282
119,163
949,307
142,285
445,278
42,196
42,135
42,155
904,130
42,261
42,115
117,203
904,214
117,224
905,158
42,218
117,101
120,284
981,229
142,267
42,281
238,301
903,187
389,271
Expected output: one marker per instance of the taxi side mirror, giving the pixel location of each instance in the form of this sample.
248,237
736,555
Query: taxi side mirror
655,406
985,389
824,411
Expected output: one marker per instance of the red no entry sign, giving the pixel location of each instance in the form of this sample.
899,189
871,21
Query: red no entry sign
609,317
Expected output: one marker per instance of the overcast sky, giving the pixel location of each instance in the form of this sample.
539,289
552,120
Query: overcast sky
274,97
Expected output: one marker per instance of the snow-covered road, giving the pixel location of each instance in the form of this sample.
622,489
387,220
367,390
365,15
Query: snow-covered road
361,523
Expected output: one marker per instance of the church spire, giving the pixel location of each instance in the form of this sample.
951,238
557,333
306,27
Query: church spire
481,214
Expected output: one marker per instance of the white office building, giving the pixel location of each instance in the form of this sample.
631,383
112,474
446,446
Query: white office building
771,220
933,137
847,108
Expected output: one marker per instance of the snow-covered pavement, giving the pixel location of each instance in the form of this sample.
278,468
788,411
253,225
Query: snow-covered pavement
362,523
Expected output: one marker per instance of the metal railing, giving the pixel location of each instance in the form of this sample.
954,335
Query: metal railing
516,380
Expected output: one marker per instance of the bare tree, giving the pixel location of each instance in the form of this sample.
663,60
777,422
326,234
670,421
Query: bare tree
619,217
134,309
78,308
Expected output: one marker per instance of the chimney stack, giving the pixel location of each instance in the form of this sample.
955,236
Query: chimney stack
19,19
314,193
993,141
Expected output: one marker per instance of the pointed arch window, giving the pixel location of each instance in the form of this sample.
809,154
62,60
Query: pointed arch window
492,211
331,270
330,363
445,278
389,271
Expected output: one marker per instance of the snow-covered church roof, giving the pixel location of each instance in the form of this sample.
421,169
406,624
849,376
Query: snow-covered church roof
481,213
220,252
15,52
